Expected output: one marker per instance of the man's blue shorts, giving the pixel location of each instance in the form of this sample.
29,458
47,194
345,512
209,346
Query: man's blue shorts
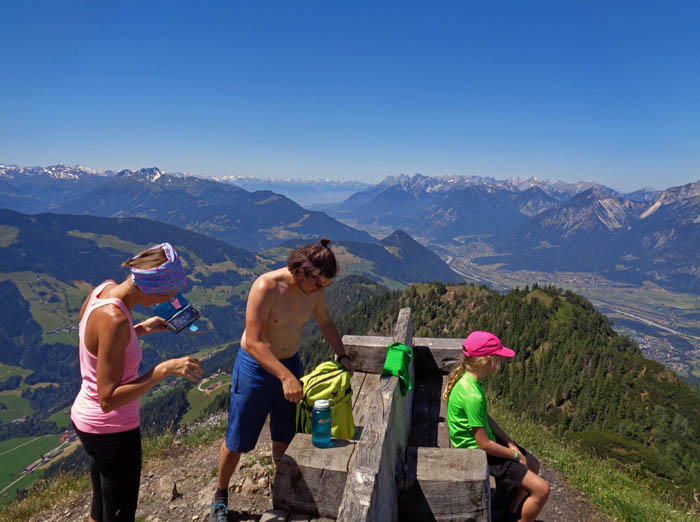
254,393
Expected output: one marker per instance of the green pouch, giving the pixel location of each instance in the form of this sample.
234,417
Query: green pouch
397,362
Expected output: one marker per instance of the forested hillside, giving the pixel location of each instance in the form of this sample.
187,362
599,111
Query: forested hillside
572,372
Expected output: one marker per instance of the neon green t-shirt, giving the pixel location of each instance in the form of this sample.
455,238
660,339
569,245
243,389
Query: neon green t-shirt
466,409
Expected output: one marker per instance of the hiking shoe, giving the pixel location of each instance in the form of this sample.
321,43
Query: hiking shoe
219,512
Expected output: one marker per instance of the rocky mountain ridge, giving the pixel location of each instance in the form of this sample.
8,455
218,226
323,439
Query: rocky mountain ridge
650,235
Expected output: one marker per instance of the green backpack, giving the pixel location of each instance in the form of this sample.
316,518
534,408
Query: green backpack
329,380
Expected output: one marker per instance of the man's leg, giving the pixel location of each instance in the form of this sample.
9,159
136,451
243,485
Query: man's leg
228,460
278,449
247,412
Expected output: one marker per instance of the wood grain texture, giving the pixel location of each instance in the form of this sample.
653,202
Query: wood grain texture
446,485
435,356
356,382
370,491
443,428
360,411
303,468
367,352
311,480
387,471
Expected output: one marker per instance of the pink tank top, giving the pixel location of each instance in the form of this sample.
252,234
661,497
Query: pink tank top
86,413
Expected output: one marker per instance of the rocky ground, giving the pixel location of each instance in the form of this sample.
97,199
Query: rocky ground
178,487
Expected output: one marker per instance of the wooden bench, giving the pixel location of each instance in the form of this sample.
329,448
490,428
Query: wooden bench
399,465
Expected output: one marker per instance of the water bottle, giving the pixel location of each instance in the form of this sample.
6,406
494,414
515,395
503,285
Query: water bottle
321,423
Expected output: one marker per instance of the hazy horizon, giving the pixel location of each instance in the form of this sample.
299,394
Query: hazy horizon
342,180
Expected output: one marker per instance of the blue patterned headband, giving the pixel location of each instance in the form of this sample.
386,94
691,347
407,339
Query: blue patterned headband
164,279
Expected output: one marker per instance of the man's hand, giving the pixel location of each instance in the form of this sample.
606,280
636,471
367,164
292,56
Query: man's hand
291,386
347,364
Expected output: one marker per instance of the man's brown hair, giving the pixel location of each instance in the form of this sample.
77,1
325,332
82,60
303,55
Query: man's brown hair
313,260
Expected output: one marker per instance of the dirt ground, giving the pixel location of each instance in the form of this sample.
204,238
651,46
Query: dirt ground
179,486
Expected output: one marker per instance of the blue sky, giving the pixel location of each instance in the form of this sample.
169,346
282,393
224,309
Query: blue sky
600,91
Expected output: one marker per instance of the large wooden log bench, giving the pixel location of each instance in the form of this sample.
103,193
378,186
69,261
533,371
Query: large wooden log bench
399,465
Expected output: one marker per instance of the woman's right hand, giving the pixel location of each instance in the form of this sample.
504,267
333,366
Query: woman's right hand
186,367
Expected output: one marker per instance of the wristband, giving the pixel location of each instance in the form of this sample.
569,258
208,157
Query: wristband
344,356
516,455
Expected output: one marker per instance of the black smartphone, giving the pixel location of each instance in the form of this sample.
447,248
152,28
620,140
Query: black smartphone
182,319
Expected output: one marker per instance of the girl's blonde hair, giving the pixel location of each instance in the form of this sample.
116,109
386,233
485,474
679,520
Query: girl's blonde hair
475,365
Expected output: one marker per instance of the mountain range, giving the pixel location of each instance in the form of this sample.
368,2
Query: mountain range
306,192
250,220
531,224
538,225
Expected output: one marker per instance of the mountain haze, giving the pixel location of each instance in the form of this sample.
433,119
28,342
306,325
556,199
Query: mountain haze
251,220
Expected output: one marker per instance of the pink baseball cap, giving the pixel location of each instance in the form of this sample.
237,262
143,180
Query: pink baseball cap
480,344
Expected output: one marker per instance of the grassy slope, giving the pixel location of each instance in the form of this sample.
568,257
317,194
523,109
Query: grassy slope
620,492
16,406
199,400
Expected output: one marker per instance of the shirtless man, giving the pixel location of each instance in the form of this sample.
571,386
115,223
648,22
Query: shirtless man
267,370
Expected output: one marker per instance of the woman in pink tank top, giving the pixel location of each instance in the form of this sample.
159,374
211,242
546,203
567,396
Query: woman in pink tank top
105,413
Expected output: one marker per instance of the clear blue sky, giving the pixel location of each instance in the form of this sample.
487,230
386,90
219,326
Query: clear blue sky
602,91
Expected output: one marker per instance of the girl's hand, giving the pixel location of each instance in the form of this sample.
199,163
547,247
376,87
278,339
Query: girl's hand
522,459
186,367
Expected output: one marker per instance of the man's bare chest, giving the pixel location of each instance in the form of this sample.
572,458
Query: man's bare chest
289,312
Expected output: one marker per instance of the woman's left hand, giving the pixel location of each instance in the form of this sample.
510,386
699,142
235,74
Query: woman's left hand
153,324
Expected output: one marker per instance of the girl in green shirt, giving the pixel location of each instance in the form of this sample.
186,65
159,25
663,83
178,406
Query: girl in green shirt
514,469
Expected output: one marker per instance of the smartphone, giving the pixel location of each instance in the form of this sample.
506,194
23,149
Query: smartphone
182,319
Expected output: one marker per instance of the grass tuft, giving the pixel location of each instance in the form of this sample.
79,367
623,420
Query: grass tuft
61,490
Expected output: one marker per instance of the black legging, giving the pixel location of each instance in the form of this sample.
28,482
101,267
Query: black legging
115,471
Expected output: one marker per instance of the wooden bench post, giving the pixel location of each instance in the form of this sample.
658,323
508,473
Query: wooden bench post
311,480
445,485
371,491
